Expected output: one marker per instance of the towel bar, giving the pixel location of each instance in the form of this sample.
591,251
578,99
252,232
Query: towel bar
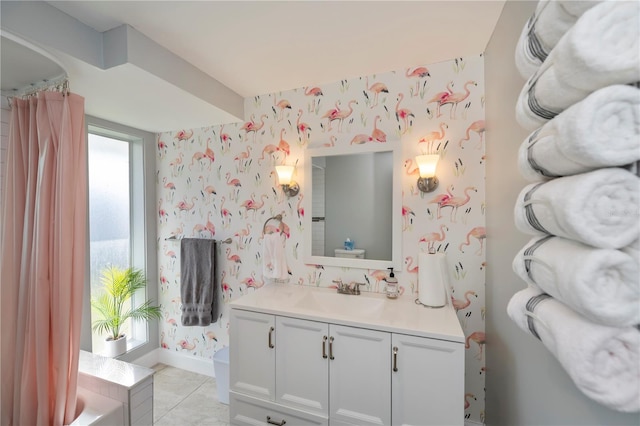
227,241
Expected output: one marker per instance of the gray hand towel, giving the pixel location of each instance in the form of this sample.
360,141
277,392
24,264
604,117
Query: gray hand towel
197,281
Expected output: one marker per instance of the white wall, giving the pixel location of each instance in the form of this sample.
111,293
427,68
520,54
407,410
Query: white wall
4,143
525,385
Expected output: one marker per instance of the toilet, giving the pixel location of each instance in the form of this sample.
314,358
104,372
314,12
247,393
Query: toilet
350,254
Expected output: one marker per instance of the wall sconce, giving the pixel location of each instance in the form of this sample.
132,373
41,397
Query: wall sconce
290,187
427,182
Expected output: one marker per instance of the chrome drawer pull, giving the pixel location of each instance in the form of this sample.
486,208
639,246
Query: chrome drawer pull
324,347
331,348
271,422
271,330
395,358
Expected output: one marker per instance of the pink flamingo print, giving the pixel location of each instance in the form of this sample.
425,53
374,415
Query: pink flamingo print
251,282
378,275
411,171
377,134
281,105
235,185
314,91
235,262
303,129
410,268
455,98
432,237
252,126
284,147
433,137
342,114
418,73
403,114
163,344
176,165
226,288
185,206
330,115
376,88
440,199
168,185
462,304
162,148
207,191
197,156
300,207
441,97
360,139
242,234
184,344
242,159
225,139
162,213
479,338
478,233
467,404
225,214
269,150
456,202
209,337
406,219
171,255
182,135
164,282
178,231
253,205
478,127
208,153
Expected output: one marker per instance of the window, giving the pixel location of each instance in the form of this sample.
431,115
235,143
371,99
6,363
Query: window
121,165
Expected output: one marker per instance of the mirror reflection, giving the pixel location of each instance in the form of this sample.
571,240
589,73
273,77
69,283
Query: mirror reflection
352,203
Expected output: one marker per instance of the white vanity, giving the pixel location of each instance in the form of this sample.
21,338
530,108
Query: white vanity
305,355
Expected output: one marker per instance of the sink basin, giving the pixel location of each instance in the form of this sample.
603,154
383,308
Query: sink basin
361,306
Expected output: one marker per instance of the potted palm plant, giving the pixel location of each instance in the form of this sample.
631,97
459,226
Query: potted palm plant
113,306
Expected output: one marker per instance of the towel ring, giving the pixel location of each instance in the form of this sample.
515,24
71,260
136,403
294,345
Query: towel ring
277,217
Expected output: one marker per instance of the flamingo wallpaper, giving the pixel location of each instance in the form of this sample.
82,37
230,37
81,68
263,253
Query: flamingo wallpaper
219,182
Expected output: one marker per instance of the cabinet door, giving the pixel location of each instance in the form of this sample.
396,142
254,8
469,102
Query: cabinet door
302,370
359,376
427,381
252,353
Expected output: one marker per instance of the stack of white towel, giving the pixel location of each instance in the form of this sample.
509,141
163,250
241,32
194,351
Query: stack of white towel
582,104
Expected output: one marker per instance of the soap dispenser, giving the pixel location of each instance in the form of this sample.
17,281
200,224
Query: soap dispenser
392,285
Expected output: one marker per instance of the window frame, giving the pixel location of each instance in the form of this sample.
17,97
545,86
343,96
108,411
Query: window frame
143,226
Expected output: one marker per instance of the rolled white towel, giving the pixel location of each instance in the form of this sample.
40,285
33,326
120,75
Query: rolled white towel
601,49
602,361
600,208
633,250
550,21
601,284
602,130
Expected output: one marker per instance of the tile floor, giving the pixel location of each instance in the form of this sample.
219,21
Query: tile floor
184,398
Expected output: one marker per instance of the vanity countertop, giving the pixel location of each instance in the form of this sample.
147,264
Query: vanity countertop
367,310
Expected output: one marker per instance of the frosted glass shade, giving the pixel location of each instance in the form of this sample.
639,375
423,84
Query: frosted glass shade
285,174
427,165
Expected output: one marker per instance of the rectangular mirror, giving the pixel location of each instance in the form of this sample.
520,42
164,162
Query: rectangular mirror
353,192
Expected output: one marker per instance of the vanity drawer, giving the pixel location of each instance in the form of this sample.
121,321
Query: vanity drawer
246,410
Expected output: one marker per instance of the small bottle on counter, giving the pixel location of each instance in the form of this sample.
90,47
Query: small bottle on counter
348,244
392,285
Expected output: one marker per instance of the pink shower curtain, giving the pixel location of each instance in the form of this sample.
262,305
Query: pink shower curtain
44,217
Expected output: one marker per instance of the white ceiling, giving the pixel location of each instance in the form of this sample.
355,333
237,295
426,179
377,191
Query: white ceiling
259,47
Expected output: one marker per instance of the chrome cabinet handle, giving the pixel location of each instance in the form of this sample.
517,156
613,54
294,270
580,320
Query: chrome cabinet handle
324,347
331,348
395,358
271,330
271,422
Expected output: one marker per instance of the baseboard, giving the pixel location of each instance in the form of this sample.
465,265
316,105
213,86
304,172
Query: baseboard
191,363
472,423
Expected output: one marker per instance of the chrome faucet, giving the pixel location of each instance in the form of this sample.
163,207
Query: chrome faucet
353,288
